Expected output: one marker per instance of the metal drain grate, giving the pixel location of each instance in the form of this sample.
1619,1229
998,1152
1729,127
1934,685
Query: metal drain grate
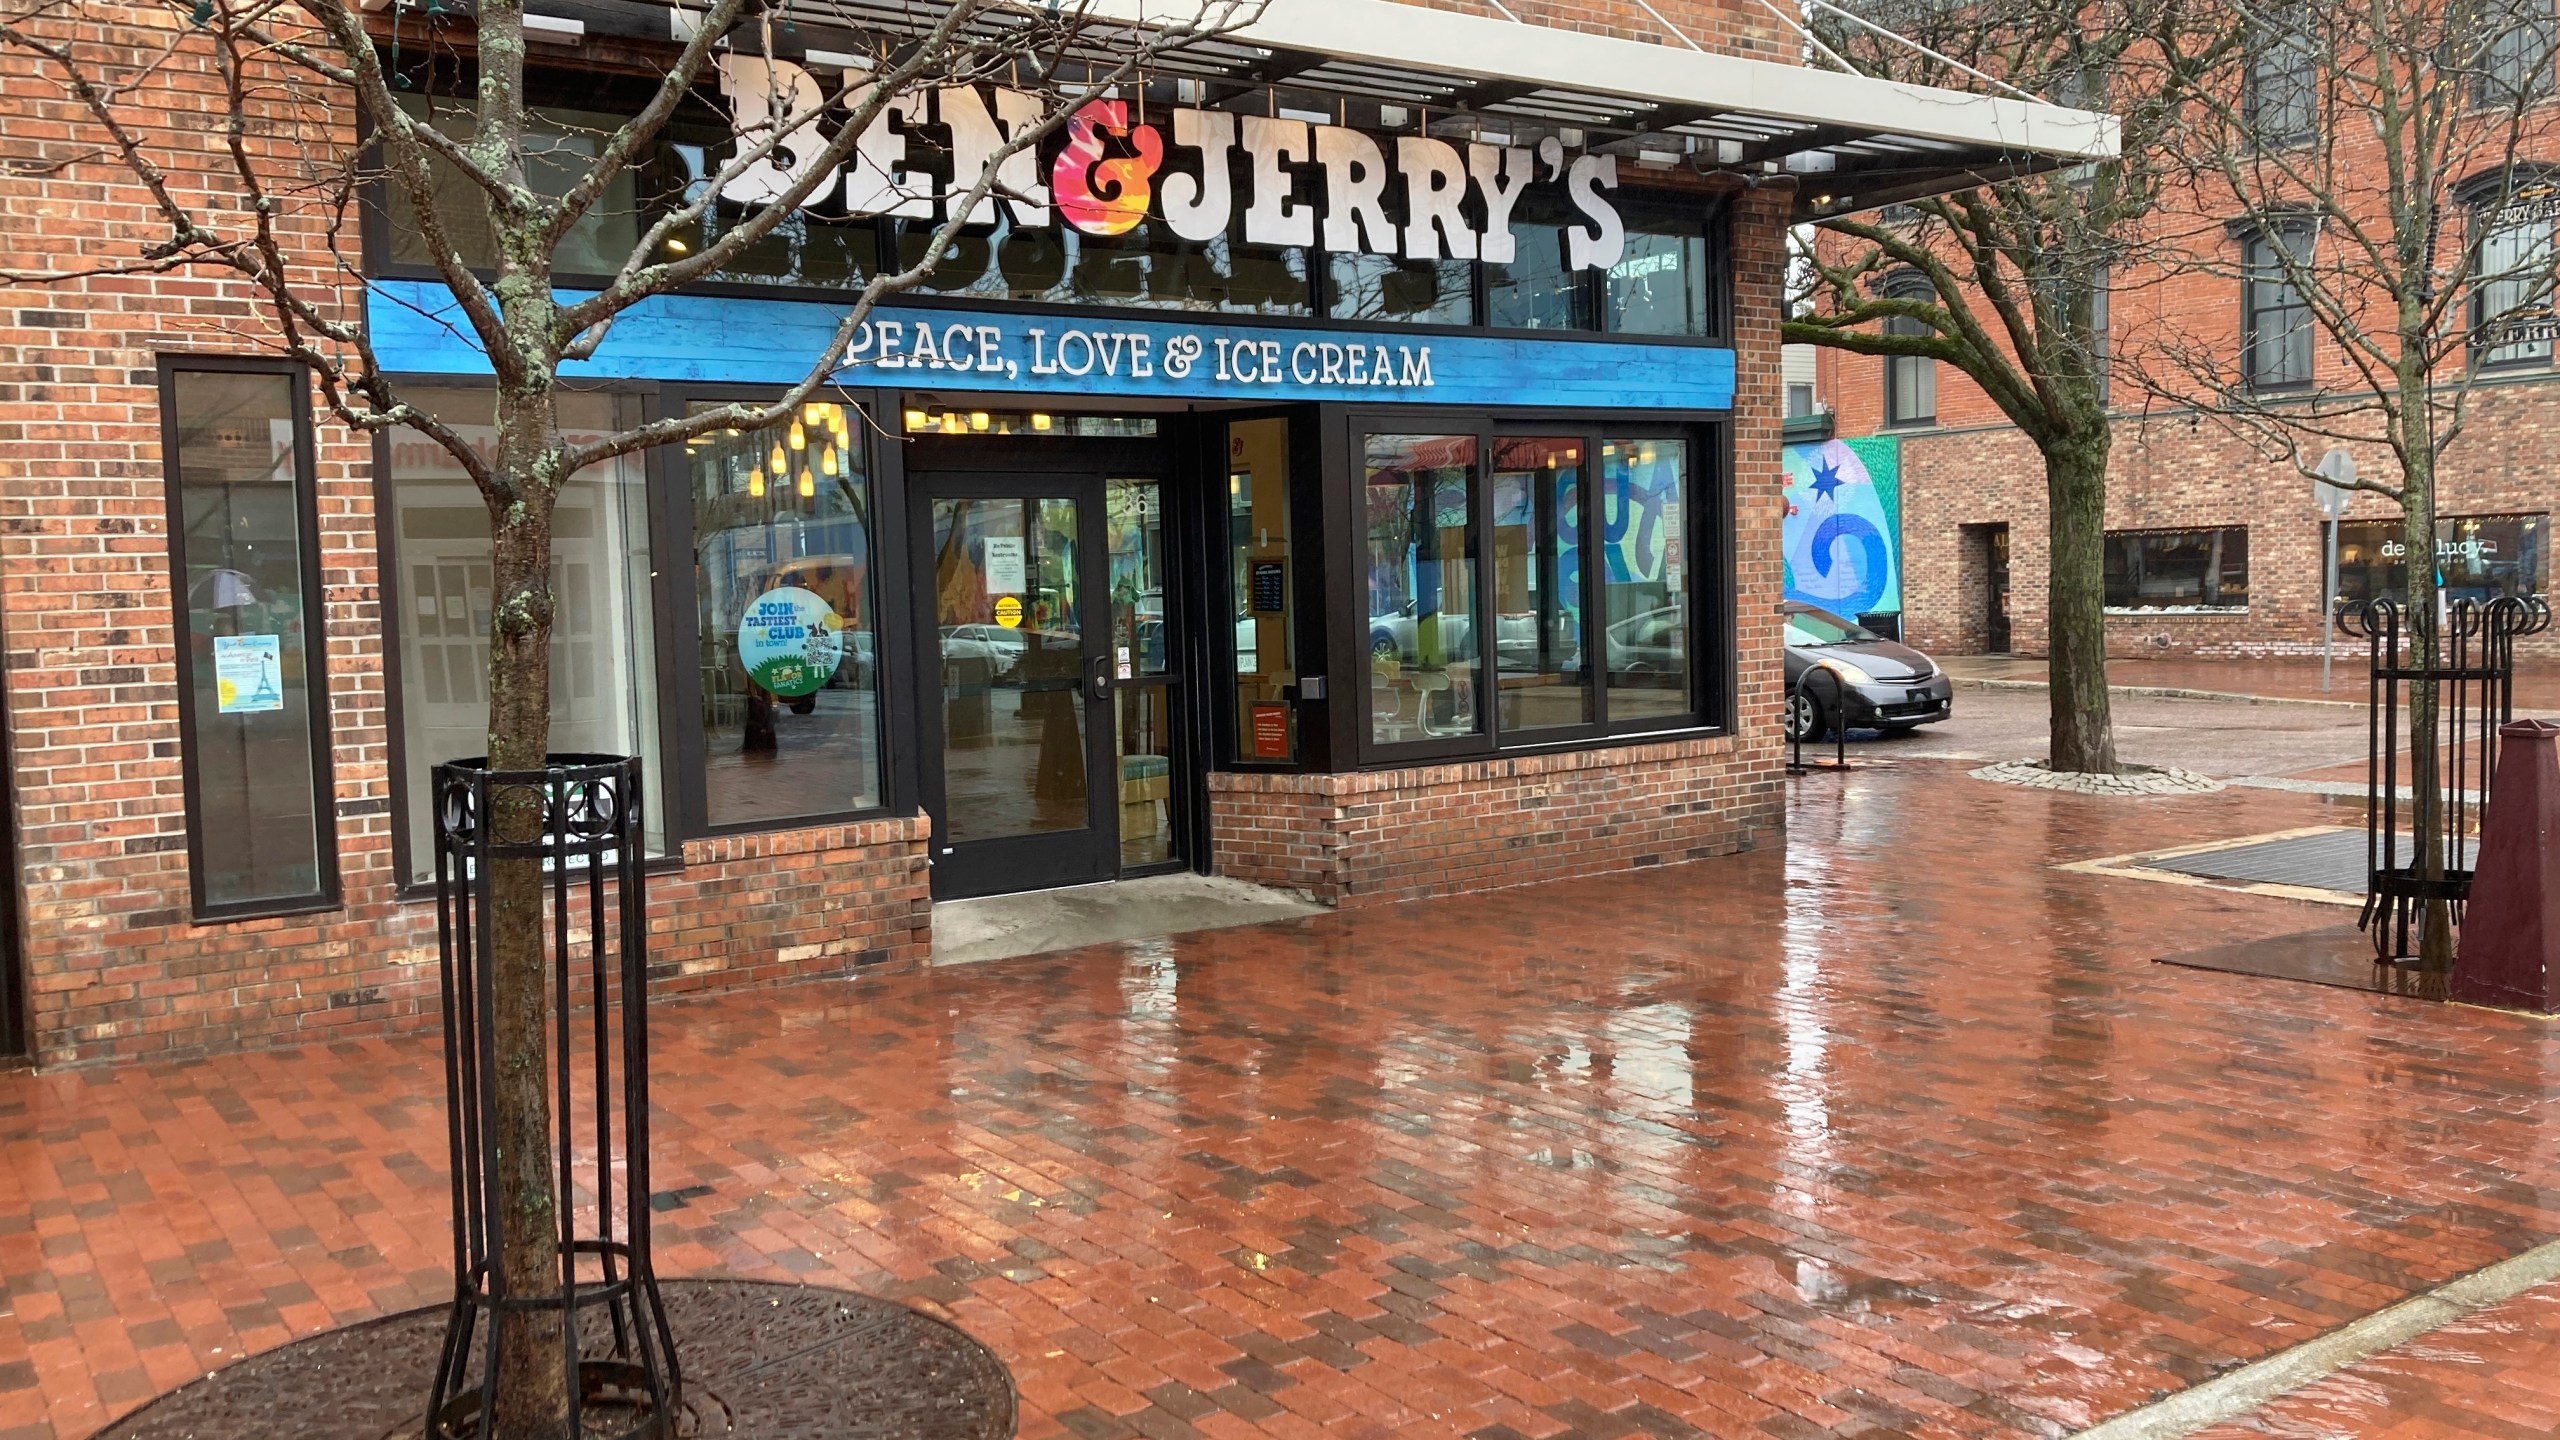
2333,862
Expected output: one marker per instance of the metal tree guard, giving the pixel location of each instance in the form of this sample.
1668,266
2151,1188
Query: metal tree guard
2473,669
582,825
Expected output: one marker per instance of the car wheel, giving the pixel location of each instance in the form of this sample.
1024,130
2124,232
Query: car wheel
1805,720
1382,645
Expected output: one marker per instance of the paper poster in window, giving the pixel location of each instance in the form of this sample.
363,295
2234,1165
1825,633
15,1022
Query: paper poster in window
248,673
1005,568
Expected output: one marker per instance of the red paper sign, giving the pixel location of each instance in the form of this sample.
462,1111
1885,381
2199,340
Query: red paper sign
1270,732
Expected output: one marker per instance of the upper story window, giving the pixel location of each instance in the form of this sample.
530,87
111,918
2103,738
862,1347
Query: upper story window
2514,67
2280,97
2275,319
2511,319
1910,381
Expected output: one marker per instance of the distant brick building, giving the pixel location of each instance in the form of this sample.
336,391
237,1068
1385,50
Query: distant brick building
2212,550
1073,628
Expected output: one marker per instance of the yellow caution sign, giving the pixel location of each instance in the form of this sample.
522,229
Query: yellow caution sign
1008,611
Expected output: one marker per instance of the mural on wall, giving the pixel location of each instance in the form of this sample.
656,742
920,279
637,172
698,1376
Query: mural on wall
1843,529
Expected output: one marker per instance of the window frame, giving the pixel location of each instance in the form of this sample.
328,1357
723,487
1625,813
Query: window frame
2501,80
389,578
2272,231
330,894
1908,285
1707,545
683,744
2304,48
2242,609
2535,353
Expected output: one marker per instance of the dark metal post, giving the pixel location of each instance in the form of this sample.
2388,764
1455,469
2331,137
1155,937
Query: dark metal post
622,1378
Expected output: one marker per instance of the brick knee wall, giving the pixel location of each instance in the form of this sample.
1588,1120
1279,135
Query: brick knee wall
1386,835
745,910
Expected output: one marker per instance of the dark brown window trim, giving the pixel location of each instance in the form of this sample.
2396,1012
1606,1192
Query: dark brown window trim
324,818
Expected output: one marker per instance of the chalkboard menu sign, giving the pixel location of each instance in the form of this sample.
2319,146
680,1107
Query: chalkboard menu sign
1270,580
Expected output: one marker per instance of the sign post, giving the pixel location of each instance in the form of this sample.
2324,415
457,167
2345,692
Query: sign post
2331,492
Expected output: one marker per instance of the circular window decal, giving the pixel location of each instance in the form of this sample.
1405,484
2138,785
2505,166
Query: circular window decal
790,641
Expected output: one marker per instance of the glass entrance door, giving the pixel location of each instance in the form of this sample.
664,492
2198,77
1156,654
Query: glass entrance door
1021,798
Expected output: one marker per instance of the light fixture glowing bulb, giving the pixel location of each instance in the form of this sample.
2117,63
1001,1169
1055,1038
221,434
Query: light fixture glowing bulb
755,484
675,246
808,483
1039,421
917,419
799,437
814,411
781,463
977,419
827,463
951,424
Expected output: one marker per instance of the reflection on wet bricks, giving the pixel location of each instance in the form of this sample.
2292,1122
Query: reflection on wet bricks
1890,1127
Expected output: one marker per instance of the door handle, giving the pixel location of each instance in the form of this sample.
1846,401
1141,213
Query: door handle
1097,677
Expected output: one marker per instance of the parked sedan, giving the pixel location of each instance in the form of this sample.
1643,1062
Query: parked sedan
1882,684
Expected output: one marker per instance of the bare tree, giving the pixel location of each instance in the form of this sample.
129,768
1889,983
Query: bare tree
2371,174
235,119
2007,282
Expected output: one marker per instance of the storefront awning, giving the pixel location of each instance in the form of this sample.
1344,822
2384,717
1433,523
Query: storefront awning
1855,143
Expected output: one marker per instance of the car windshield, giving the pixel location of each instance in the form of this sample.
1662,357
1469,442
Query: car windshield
1821,627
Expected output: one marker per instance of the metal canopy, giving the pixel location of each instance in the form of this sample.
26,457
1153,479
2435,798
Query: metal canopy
1855,143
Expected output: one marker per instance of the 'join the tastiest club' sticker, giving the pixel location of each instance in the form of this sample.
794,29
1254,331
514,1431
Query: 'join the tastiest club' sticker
790,640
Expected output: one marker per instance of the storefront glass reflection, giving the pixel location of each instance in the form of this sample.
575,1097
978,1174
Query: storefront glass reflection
782,550
240,553
1421,538
1010,614
2479,557
1537,584
1258,549
604,676
1644,493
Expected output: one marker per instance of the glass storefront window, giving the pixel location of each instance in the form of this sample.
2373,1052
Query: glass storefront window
1535,290
1383,288
1659,284
782,556
1421,540
1541,674
560,145
260,835
604,667
2479,557
1148,267
1258,550
1644,495
1010,608
2178,569
1134,520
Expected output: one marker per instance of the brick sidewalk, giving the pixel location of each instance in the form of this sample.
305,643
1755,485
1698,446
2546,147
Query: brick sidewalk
1894,1133
2492,1375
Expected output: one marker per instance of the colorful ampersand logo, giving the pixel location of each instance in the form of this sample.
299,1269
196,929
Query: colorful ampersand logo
1102,196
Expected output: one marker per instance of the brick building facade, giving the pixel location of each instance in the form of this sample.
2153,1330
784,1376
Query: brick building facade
1973,489
122,946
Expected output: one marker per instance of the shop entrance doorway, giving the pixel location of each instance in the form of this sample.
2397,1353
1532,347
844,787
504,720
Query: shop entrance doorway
1049,745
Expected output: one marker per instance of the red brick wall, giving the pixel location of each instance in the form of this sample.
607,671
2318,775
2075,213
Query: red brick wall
1386,835
2169,474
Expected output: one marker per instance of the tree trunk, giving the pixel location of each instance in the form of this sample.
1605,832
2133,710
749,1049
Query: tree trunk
532,1399
2426,779
2075,477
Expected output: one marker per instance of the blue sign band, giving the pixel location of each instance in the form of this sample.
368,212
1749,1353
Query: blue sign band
418,329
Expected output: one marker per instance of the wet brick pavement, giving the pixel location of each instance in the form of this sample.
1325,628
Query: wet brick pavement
2492,1375
1895,1132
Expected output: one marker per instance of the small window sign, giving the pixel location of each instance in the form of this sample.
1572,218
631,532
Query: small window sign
1270,586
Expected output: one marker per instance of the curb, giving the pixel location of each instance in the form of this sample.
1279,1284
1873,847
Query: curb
2163,692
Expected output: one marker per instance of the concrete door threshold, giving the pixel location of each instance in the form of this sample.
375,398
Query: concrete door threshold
1035,922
